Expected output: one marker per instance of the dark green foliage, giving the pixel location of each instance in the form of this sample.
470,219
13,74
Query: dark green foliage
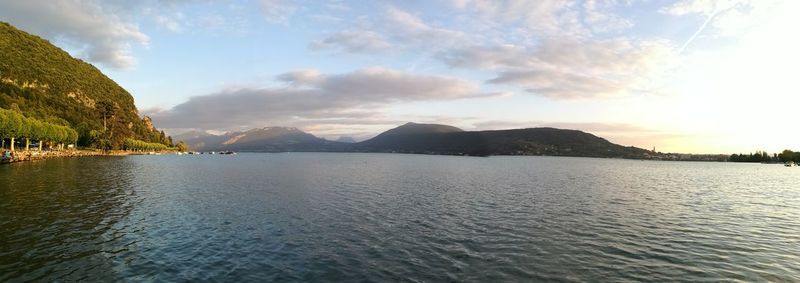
759,157
788,155
47,84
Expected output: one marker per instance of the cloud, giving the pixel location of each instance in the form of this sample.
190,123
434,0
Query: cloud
564,55
600,19
535,17
410,28
488,57
99,34
171,23
559,85
311,96
353,41
569,68
302,77
680,8
277,11
394,30
556,49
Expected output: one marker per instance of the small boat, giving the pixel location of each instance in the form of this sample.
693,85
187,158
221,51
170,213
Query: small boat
227,152
790,164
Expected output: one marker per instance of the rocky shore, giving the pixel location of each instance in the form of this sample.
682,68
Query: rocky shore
8,156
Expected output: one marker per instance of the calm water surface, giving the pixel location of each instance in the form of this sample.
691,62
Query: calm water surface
392,217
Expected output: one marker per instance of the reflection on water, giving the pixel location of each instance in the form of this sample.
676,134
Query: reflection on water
61,218
386,217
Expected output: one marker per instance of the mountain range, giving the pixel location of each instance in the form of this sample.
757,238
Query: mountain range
421,138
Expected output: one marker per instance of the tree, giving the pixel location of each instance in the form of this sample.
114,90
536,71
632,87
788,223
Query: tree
786,156
5,126
182,146
85,137
13,124
162,138
106,109
138,145
25,131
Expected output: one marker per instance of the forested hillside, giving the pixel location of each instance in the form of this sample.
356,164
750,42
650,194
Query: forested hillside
43,82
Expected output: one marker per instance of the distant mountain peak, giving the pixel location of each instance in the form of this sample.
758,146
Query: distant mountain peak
274,130
418,128
346,139
233,139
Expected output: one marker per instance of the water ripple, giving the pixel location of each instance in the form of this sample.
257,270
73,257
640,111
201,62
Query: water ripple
382,217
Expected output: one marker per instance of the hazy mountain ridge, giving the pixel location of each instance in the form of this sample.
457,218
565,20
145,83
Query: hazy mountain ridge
426,139
268,139
346,139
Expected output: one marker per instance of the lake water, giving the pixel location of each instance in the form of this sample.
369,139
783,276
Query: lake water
395,217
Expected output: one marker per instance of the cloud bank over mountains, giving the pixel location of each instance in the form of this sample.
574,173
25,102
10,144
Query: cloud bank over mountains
309,96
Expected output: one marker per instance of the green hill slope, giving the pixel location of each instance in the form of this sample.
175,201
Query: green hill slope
46,83
441,139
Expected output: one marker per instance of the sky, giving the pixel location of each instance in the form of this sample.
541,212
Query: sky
692,76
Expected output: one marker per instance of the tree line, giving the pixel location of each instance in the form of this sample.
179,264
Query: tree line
14,125
764,157
139,145
788,155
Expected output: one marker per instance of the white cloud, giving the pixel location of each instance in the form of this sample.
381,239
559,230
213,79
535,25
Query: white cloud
97,33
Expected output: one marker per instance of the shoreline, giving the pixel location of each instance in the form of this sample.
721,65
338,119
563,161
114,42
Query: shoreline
33,155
